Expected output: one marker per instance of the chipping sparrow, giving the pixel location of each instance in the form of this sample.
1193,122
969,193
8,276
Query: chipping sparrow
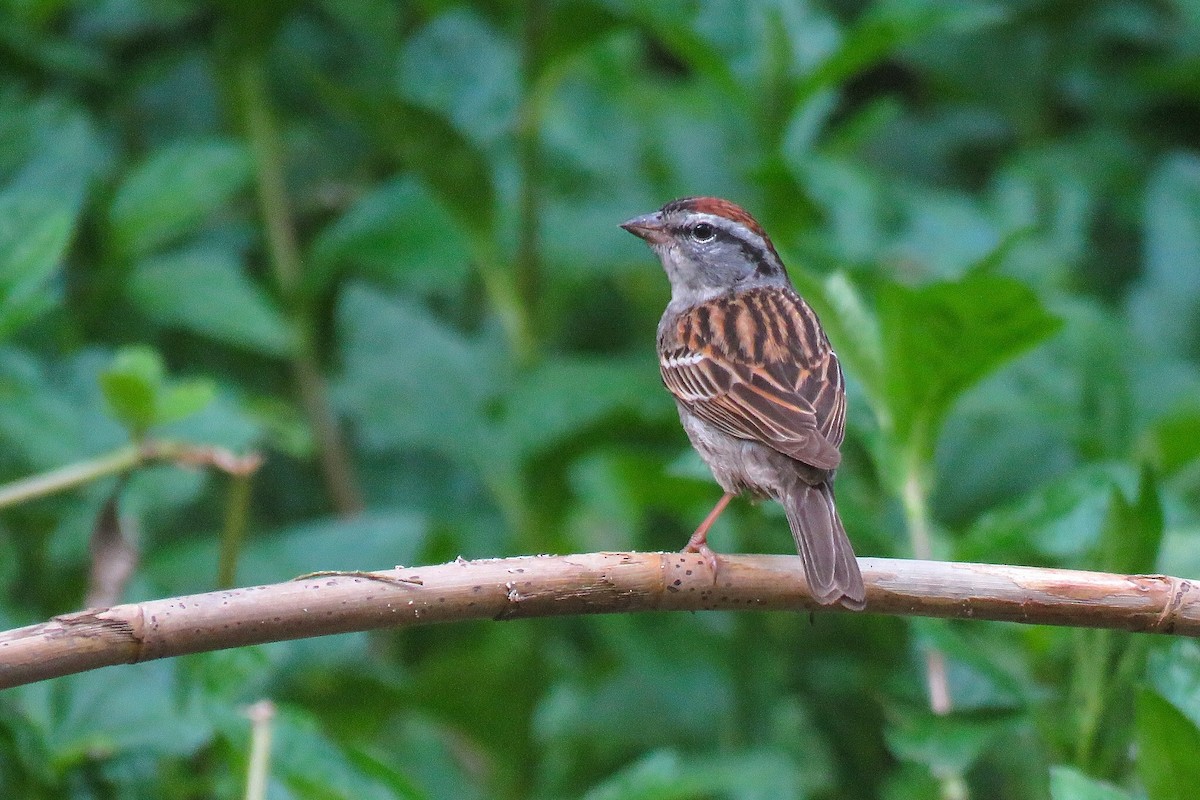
759,389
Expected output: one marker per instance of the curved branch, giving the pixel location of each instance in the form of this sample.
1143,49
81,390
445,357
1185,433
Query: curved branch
591,583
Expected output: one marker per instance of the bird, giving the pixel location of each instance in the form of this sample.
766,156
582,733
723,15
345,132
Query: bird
759,390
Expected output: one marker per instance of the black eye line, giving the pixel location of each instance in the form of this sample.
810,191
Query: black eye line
763,264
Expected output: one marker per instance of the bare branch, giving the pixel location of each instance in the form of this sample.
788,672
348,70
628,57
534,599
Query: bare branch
592,583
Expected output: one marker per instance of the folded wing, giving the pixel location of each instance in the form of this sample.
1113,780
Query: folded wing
758,367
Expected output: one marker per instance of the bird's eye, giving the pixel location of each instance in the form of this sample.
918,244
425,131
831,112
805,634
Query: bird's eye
704,233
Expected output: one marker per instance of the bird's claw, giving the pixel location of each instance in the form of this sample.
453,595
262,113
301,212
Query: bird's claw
702,549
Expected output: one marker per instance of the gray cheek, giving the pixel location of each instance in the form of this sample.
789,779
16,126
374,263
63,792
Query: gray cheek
681,269
722,268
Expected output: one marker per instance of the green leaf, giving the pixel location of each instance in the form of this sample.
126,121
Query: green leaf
451,164
889,25
1174,672
1166,307
35,229
1062,519
411,379
465,69
941,339
427,750
310,763
99,715
1168,749
1173,441
668,23
54,413
910,782
131,386
665,775
182,399
561,398
949,234
139,395
945,744
852,328
39,208
207,292
984,671
382,538
574,27
1068,783
423,142
850,197
400,234
172,191
1133,531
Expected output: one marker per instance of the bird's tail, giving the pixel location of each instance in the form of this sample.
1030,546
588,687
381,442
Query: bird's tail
829,562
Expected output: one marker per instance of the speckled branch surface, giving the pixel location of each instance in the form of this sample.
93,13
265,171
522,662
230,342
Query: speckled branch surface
592,583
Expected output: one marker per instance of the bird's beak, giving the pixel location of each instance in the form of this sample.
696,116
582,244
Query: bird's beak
648,227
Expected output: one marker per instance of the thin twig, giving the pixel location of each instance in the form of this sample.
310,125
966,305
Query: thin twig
284,255
591,583
70,477
122,461
209,456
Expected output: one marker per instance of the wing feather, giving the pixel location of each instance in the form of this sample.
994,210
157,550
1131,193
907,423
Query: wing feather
773,380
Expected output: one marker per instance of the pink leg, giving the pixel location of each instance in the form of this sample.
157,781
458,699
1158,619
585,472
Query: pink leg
699,541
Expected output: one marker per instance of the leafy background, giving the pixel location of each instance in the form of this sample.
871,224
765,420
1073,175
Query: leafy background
377,244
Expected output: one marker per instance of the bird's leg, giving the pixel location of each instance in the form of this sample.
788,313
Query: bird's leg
699,541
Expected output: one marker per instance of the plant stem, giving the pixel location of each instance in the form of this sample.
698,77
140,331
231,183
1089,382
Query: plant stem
527,277
341,481
937,679
70,476
237,517
261,715
501,292
916,514
272,194
121,461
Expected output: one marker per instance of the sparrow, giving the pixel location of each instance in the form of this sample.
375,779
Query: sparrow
759,390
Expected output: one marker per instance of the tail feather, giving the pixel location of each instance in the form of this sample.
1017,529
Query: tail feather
829,563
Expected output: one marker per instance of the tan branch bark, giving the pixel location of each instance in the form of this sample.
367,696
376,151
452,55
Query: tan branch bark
592,583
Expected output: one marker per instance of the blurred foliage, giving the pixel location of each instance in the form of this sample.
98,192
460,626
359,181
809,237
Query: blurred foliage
230,223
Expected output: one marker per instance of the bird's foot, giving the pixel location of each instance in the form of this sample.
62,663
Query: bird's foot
699,545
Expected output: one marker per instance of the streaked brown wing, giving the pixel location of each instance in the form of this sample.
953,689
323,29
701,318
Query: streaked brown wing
757,366
828,393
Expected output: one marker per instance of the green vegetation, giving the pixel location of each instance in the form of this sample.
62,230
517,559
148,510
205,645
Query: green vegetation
377,243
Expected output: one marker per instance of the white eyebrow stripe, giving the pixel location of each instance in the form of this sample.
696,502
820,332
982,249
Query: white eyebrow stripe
734,229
